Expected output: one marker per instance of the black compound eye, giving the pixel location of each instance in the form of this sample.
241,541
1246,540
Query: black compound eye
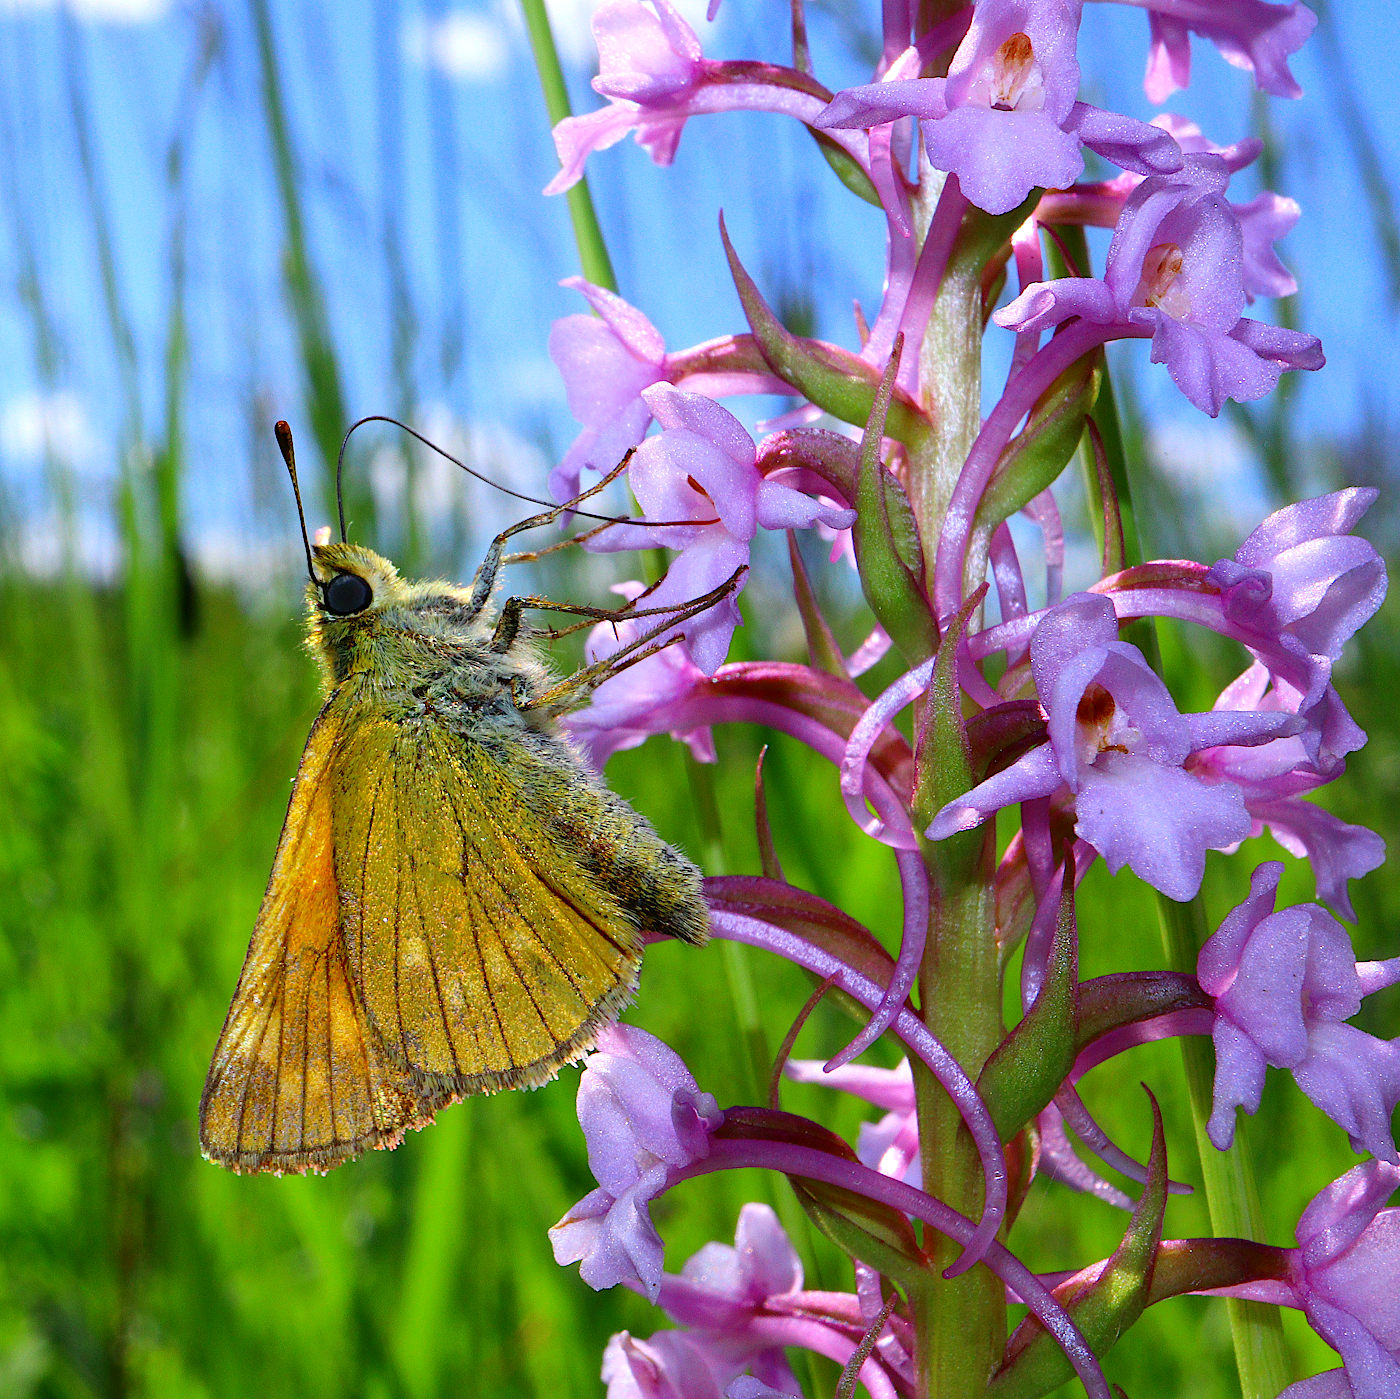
346,594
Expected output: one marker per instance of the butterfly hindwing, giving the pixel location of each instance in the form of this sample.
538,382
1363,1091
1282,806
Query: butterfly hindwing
488,952
300,1080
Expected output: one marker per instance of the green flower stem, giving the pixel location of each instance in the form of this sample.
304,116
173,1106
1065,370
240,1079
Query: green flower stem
950,376
1257,1330
588,235
961,1324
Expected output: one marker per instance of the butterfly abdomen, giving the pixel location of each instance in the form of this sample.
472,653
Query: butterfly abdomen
657,887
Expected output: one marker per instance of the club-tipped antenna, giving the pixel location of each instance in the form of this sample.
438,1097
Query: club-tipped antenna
282,429
480,476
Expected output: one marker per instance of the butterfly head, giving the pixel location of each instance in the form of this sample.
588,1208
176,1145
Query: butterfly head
350,582
350,590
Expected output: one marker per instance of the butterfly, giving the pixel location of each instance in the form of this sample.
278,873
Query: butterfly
457,903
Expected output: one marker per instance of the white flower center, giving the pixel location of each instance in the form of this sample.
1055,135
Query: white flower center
1101,727
1011,80
1160,284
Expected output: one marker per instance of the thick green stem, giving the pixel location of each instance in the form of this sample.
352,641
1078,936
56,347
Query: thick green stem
588,235
962,1323
950,377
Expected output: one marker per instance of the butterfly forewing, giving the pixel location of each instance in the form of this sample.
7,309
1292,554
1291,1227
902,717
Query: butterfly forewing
479,970
299,1079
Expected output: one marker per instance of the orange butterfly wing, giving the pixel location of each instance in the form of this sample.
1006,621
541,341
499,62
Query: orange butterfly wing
299,1079
487,950
426,934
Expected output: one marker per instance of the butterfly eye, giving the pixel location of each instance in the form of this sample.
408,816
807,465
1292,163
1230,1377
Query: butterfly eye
346,594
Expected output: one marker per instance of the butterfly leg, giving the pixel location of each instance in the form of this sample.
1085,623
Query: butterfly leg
509,625
530,555
650,642
485,580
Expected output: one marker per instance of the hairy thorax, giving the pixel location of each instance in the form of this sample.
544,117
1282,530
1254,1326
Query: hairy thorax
421,650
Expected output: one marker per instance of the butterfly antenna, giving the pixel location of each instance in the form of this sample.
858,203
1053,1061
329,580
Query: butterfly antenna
442,452
283,432
554,507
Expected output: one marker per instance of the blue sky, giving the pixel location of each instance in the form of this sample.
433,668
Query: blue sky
423,147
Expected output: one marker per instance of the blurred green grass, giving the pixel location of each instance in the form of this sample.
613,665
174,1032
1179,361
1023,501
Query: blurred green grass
149,730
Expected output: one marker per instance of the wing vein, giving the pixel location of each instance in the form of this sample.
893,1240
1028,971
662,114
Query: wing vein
524,982
365,1032
486,978
554,956
398,916
306,1050
432,967
364,867
277,1075
474,896
330,1057
531,869
585,917
248,1076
